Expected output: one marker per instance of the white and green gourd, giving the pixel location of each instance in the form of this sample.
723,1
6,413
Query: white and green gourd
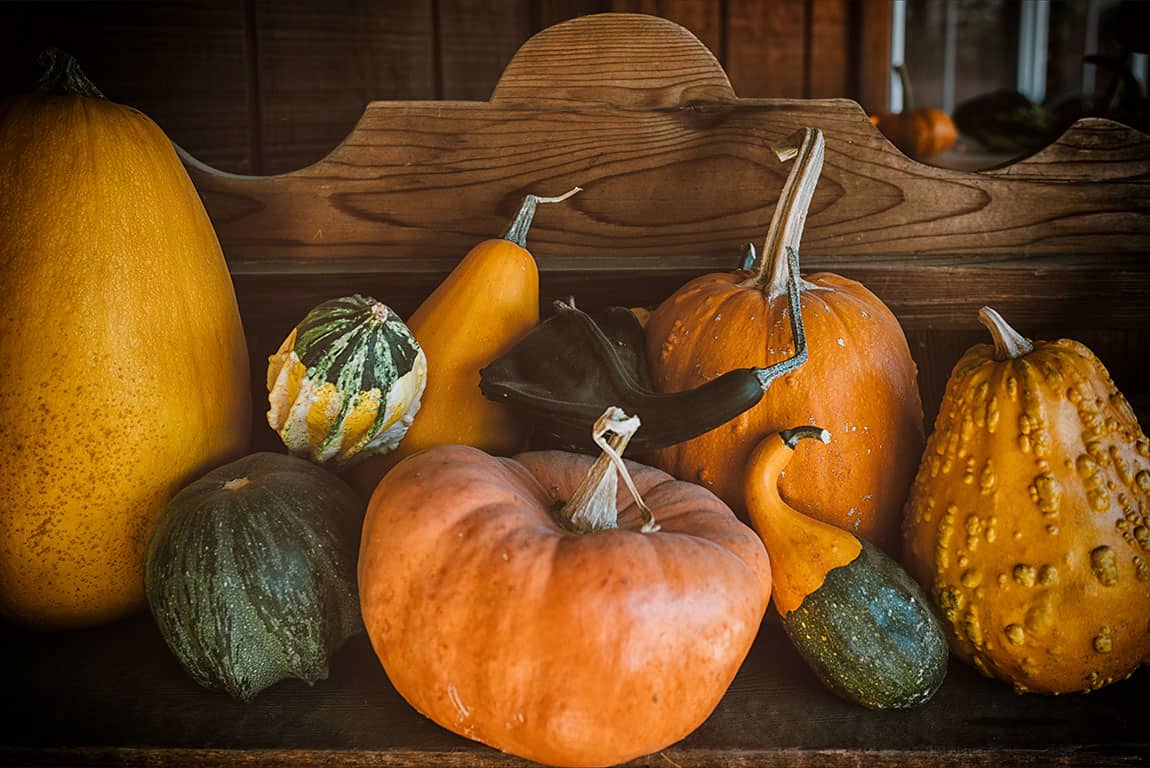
346,382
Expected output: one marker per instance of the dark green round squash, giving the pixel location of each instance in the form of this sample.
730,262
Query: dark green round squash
250,573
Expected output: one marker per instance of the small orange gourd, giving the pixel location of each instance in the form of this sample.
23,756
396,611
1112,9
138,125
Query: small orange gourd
920,132
1027,521
477,313
859,379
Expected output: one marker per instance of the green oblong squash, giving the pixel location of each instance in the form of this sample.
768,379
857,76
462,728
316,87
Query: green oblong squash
346,382
250,573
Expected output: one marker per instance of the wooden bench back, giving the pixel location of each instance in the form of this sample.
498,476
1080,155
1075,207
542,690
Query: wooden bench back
678,175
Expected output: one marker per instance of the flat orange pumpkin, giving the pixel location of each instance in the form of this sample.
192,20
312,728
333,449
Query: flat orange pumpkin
496,618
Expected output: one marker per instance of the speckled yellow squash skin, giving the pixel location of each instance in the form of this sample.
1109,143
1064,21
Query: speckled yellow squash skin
1027,520
125,367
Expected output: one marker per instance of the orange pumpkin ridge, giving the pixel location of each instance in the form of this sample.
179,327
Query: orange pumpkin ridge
859,380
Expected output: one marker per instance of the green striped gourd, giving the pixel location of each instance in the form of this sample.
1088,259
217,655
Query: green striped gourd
346,382
250,573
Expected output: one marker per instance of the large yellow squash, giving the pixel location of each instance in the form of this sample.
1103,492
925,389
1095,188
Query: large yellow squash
125,372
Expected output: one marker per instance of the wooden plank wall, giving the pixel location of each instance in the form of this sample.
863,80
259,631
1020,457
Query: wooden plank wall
268,86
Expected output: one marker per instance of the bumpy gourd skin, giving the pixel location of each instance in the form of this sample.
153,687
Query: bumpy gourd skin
125,366
1028,520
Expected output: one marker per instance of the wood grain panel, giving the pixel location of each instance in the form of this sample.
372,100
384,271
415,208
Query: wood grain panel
612,59
684,189
871,59
184,64
550,12
829,63
767,48
704,18
476,40
320,64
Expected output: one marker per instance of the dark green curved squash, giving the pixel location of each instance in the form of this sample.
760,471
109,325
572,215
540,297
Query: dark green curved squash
862,624
869,634
250,573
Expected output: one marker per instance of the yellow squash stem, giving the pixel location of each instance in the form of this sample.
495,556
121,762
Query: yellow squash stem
802,549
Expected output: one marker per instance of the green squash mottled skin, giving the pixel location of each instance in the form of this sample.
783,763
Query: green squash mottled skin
869,634
254,582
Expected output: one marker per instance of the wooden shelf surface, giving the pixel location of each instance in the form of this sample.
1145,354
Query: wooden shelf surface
116,695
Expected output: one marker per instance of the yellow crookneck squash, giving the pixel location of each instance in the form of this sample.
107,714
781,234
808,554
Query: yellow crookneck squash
486,304
859,381
125,365
1027,520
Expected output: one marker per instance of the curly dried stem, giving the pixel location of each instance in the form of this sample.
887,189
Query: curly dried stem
807,147
517,232
791,437
592,506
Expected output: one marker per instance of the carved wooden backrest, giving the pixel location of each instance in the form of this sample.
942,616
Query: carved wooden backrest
678,175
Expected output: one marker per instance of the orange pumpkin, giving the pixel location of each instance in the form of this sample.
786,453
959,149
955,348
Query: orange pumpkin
859,380
587,635
1028,521
920,132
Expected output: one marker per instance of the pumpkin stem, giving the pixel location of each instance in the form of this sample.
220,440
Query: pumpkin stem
378,312
791,437
592,506
798,333
1009,344
517,232
807,147
237,483
750,257
62,74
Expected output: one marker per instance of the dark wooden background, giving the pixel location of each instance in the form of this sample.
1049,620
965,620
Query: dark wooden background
268,86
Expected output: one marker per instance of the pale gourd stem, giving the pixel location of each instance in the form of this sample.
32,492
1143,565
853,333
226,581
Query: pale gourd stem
62,74
592,506
798,333
1009,344
791,437
750,257
517,232
807,147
